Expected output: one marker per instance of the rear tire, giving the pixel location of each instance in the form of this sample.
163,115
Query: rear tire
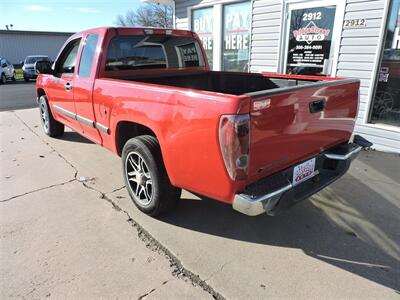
50,126
26,79
146,178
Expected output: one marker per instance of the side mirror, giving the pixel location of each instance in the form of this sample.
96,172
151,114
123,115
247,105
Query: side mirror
43,67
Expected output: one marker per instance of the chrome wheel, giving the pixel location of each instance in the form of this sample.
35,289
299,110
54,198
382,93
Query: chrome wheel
139,178
44,116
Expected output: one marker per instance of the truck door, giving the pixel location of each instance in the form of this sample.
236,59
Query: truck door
60,86
83,87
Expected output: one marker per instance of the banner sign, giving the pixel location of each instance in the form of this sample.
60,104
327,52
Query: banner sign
189,55
202,24
236,31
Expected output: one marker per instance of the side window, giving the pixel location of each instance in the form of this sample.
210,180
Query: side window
88,52
66,64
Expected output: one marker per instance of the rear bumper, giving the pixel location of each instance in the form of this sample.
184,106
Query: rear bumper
276,192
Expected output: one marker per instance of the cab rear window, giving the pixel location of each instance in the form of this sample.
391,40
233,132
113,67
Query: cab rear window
153,52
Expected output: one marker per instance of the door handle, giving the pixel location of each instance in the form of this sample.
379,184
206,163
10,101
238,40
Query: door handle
68,86
317,105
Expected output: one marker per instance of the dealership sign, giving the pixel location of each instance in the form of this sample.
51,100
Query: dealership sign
310,39
310,33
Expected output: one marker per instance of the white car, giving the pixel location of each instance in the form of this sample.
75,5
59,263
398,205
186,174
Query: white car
7,71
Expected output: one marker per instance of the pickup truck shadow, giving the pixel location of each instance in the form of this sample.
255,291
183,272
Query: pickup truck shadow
72,136
349,226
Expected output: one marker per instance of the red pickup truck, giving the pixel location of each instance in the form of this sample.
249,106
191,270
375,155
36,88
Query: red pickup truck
260,142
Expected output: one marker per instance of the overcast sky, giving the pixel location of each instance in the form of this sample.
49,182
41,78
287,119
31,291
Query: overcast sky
62,15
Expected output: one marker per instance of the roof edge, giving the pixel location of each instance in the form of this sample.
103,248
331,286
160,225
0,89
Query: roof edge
35,32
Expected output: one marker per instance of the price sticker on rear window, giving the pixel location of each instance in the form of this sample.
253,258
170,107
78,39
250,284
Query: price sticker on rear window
304,171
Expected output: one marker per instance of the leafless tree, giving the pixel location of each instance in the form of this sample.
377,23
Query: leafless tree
149,15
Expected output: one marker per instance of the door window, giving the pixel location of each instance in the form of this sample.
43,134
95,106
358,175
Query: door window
202,24
88,52
386,102
236,36
67,61
310,40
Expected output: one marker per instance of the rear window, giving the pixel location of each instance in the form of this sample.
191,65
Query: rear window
153,52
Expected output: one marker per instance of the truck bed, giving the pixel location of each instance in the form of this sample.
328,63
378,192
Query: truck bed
221,82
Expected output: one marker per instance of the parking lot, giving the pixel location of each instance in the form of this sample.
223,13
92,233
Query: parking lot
69,230
17,95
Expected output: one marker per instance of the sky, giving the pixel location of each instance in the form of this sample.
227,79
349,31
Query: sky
62,15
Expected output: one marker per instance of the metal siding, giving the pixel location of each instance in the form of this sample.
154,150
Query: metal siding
266,34
15,47
357,58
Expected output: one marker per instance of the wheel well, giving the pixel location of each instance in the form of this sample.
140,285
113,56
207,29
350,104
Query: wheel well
127,130
40,92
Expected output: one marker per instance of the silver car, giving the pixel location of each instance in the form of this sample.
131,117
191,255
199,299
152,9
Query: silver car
7,71
29,64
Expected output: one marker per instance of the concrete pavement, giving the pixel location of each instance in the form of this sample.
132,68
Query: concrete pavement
67,220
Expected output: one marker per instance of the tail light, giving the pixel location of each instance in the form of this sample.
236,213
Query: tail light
234,140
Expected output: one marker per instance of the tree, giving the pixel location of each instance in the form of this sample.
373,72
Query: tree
149,15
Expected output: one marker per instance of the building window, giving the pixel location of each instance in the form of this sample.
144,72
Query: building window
202,24
226,40
236,35
386,102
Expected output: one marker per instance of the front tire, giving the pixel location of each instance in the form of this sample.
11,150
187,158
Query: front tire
146,178
14,77
50,126
3,78
26,79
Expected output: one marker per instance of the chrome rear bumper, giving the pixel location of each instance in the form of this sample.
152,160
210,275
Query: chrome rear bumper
276,192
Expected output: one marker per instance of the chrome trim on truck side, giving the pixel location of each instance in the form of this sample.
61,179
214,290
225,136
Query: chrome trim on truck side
102,128
85,121
65,112
81,119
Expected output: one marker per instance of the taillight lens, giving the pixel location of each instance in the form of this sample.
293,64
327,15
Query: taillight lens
234,140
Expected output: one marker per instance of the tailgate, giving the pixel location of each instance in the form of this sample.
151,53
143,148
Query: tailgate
289,125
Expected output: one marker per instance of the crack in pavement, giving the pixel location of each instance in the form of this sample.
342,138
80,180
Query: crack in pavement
145,295
38,190
177,268
48,144
218,271
151,291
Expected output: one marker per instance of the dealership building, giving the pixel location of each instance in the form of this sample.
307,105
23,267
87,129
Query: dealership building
338,38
